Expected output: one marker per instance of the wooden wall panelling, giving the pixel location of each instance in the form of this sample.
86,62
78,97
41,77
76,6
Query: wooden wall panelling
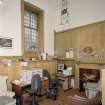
76,75
12,73
55,43
81,37
33,64
61,44
53,69
61,47
56,46
63,41
103,39
64,46
4,70
69,39
103,86
90,36
72,40
50,66
46,65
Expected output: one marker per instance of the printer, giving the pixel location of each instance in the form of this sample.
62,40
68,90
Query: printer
67,71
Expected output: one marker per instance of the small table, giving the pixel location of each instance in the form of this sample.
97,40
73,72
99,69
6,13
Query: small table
66,80
91,89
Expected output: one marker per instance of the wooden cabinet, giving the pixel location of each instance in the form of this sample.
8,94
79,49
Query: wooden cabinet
44,87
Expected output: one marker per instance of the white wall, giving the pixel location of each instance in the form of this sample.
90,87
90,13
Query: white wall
10,26
81,12
49,8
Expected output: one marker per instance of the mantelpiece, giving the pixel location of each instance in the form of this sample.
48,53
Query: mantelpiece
88,64
91,61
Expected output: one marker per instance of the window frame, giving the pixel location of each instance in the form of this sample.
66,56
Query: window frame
26,6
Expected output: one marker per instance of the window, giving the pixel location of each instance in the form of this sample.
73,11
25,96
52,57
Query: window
31,31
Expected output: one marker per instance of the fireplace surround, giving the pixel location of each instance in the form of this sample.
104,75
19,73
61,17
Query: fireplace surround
88,75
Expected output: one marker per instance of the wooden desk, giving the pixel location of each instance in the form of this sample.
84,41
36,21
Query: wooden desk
20,89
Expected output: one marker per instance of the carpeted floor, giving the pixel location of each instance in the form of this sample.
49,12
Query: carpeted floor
62,96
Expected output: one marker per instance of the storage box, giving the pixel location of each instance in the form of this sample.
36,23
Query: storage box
91,89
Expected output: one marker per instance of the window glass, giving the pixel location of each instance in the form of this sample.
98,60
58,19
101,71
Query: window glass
31,31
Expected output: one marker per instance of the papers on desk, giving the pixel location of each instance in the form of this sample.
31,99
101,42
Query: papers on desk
21,83
44,78
26,75
17,82
24,83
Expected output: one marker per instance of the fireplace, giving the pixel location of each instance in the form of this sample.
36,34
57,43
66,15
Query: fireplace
88,75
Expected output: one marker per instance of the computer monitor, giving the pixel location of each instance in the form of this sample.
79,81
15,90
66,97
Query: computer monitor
60,66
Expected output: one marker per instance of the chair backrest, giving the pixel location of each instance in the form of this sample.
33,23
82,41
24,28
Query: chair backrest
3,84
48,75
36,83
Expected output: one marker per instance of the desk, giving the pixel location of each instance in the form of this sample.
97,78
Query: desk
20,89
65,80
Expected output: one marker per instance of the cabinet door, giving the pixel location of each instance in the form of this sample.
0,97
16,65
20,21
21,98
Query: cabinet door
44,87
65,84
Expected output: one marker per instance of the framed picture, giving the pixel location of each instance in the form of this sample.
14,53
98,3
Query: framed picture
6,42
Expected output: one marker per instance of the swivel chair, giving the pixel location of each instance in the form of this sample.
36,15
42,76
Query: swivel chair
52,82
52,92
35,89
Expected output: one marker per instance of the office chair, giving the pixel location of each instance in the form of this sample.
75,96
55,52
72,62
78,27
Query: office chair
52,82
52,92
35,89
